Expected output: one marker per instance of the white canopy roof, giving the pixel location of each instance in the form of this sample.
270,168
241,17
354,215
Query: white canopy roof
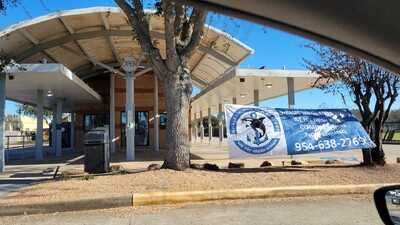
48,77
241,83
83,39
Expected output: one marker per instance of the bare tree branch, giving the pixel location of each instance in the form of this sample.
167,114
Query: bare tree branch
197,21
170,42
180,18
136,17
371,87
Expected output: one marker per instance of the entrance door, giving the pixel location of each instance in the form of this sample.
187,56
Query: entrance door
141,128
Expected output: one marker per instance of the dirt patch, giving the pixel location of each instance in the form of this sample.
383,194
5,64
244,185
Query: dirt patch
169,180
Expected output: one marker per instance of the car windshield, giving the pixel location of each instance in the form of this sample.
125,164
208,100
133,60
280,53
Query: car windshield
165,112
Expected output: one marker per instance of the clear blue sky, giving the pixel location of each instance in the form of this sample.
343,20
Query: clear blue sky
273,49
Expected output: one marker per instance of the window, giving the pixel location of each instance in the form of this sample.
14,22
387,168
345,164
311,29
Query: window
163,120
91,121
141,128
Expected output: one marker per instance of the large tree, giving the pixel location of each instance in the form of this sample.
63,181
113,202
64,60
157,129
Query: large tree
183,32
372,88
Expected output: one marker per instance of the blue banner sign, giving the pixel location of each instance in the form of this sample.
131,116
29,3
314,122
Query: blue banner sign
267,131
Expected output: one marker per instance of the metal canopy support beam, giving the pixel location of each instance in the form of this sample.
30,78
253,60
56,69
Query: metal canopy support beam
70,38
112,113
143,72
88,68
229,74
130,116
216,55
109,40
156,116
39,125
71,31
256,95
94,61
291,95
58,127
35,41
209,126
2,120
199,81
202,48
108,33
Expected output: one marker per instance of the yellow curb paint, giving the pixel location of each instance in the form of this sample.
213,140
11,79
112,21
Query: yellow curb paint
154,198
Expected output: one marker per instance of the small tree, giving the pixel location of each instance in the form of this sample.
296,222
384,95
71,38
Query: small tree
372,88
183,33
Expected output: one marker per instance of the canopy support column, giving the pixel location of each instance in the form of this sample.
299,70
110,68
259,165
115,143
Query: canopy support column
59,127
54,129
256,97
2,121
156,117
196,132
39,126
209,126
130,117
190,123
290,87
72,137
220,123
112,113
201,126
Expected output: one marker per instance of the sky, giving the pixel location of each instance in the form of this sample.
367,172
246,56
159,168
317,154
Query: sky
274,49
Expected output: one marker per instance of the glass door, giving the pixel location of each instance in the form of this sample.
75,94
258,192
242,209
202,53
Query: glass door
141,128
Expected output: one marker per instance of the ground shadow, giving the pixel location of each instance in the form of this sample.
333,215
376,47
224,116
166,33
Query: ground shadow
27,174
266,170
47,160
146,155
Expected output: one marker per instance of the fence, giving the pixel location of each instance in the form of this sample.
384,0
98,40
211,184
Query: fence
20,141
391,133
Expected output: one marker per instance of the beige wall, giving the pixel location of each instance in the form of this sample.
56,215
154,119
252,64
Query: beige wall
27,123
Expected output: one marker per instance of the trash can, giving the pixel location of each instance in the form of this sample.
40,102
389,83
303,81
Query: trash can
97,158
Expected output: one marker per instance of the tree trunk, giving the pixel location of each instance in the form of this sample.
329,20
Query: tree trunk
367,157
366,153
178,90
378,156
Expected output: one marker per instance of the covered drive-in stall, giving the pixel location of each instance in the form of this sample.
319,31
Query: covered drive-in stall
45,86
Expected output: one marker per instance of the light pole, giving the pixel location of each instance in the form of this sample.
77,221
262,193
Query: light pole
129,66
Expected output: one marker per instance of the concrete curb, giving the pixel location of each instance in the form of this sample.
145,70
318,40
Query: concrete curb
63,206
154,198
157,198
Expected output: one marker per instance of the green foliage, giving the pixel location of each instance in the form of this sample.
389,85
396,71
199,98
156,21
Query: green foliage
28,110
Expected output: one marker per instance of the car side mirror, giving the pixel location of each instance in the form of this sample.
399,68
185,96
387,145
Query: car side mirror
387,202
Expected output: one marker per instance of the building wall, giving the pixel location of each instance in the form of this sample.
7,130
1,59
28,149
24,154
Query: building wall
144,94
22,123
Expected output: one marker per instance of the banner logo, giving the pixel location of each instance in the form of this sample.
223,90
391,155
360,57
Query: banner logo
257,130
